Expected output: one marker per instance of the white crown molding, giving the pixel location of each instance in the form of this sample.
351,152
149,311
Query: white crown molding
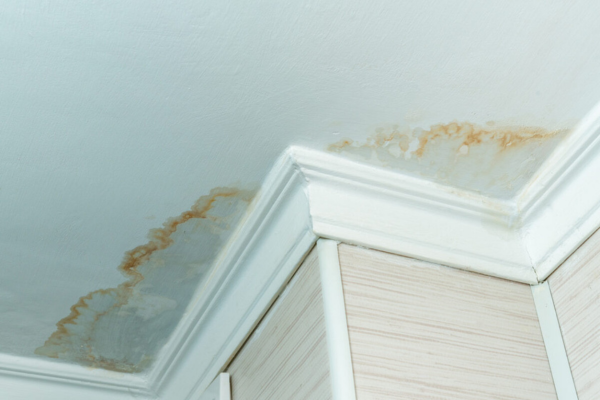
310,194
35,378
263,256
560,208
385,210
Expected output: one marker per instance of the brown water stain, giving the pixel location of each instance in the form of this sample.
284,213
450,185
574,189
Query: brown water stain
470,134
490,159
77,337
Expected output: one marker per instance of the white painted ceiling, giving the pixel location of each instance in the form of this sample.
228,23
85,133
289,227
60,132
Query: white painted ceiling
116,116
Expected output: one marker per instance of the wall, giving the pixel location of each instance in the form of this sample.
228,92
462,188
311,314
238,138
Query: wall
575,288
420,330
286,357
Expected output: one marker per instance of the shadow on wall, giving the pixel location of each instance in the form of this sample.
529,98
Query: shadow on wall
123,328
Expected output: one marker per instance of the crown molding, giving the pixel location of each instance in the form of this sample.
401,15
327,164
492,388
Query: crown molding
310,194
261,258
560,208
356,203
36,378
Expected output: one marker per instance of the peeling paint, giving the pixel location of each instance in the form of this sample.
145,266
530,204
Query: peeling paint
123,328
492,160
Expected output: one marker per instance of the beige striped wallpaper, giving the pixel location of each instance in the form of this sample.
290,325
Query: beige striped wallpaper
424,331
575,288
286,357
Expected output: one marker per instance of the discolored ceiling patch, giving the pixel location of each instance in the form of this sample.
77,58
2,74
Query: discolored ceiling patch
123,328
492,160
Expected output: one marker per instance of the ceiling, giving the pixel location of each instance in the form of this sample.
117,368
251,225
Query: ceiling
135,134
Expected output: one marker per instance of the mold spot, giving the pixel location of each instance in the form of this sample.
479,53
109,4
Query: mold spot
493,160
123,328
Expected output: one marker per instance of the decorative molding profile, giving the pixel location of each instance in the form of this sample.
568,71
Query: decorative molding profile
310,194
385,210
33,378
336,326
524,239
260,260
560,208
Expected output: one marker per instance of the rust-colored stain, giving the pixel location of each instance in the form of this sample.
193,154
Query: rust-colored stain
107,315
491,159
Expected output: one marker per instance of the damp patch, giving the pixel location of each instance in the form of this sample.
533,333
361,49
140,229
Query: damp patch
123,328
496,161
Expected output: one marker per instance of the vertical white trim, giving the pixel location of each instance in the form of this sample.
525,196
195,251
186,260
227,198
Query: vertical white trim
219,389
338,341
225,386
555,347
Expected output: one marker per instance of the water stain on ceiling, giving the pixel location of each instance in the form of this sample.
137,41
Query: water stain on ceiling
492,160
123,328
